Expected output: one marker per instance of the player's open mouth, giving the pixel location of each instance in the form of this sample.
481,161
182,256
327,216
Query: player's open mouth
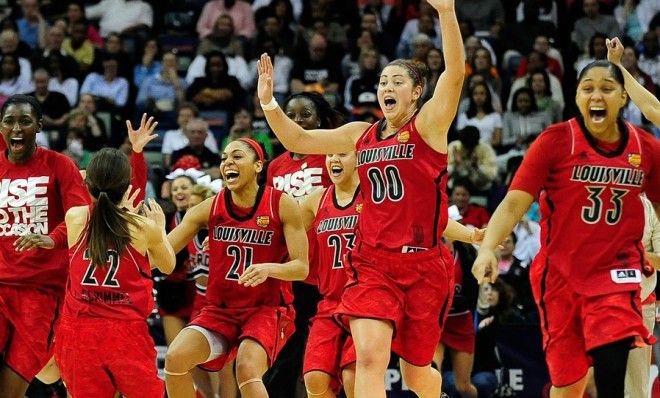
231,176
336,170
16,144
597,114
389,103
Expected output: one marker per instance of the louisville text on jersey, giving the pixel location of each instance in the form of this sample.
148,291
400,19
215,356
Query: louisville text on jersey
24,206
608,175
337,224
243,235
390,152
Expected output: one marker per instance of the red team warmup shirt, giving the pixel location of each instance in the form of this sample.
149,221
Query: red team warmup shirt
298,177
420,204
592,216
334,227
30,202
236,242
122,290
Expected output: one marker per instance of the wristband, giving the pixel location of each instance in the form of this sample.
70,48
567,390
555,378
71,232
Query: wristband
270,105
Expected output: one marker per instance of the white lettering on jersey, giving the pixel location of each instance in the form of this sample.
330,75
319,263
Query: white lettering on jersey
300,183
24,206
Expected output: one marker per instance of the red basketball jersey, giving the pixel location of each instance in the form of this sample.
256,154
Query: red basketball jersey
592,216
403,182
236,242
334,227
121,290
298,177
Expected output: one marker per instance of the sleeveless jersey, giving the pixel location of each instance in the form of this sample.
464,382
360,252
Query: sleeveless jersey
236,242
334,227
592,215
298,177
199,259
121,290
403,182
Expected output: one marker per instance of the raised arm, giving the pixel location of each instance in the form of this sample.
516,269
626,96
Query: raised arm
438,112
291,135
647,102
160,251
194,220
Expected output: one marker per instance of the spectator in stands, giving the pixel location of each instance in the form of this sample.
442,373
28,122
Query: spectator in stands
593,22
282,67
32,26
216,90
173,140
125,17
196,131
350,63
239,10
222,38
628,17
631,112
555,61
149,65
470,82
54,40
480,113
515,274
93,133
62,80
649,59
10,77
427,23
319,72
55,105
370,22
520,36
108,88
528,243
75,149
114,48
537,61
94,126
79,47
539,82
161,94
75,12
596,51
471,214
470,159
483,14
523,122
435,61
482,62
9,44
360,92
242,128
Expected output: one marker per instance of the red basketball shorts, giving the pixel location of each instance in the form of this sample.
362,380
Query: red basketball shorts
269,326
27,322
572,324
412,290
98,356
458,333
329,347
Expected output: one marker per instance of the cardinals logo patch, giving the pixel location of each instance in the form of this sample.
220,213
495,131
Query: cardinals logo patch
263,221
403,137
635,159
358,208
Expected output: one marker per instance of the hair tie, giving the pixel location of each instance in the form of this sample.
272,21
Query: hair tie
255,145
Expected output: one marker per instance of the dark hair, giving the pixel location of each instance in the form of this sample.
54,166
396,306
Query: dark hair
108,177
187,177
18,99
418,71
592,40
469,136
208,57
17,70
506,302
329,117
513,237
191,106
546,79
463,182
524,90
488,104
601,63
143,45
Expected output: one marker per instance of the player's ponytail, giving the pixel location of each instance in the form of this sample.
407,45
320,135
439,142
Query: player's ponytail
108,177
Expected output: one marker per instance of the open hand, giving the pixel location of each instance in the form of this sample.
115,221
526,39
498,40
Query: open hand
143,135
128,200
265,82
33,241
155,213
